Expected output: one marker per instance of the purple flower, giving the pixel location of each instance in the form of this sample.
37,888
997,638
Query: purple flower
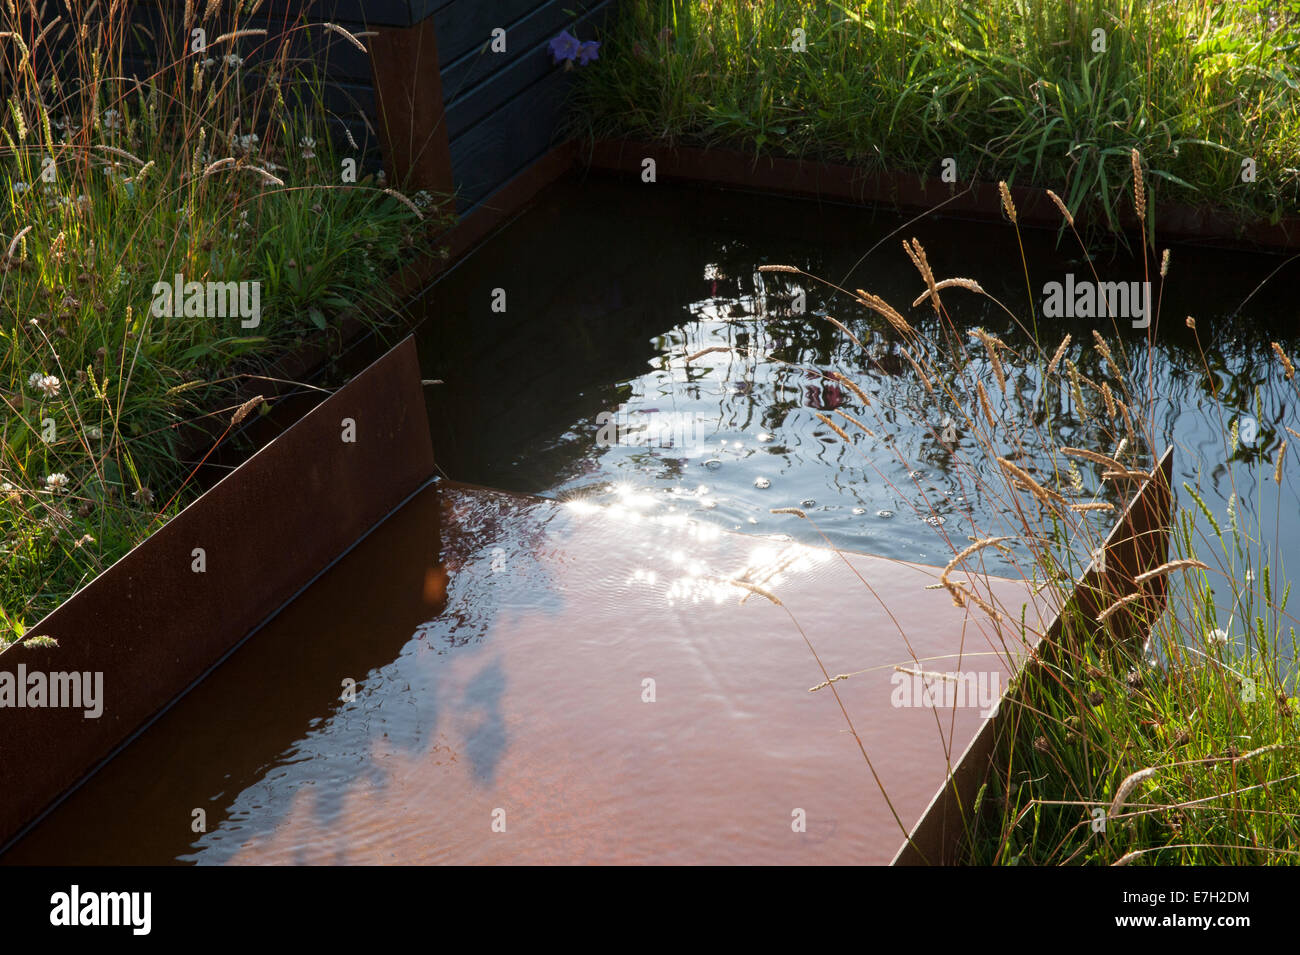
588,51
565,46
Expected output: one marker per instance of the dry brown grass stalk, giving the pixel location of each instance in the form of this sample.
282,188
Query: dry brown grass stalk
852,385
1169,568
917,254
1139,185
859,424
1060,352
1065,211
1285,359
1117,606
969,284
1008,206
887,311
834,427
1044,494
1127,786
244,410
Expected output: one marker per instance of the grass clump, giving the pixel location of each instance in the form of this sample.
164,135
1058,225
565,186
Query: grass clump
221,166
1052,93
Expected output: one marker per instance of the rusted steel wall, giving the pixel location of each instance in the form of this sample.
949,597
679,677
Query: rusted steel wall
166,613
1139,541
837,182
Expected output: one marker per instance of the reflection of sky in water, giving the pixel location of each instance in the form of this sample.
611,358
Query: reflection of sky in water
441,701
733,433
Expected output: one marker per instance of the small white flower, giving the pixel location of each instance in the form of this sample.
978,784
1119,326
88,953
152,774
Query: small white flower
48,385
308,147
234,61
1218,637
6,487
56,481
94,433
20,188
143,495
112,119
209,62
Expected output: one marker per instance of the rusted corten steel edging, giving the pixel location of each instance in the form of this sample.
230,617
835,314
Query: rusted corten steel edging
161,617
1138,542
837,182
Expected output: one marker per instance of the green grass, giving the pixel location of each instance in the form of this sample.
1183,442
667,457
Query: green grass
1203,721
109,184
1010,89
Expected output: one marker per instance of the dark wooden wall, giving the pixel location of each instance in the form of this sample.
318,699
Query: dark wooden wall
503,109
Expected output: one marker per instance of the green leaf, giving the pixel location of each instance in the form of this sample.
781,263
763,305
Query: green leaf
201,350
317,317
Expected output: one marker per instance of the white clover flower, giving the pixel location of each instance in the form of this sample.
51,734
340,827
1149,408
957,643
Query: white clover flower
48,385
94,433
112,119
233,60
56,482
308,147
1218,637
209,62
20,188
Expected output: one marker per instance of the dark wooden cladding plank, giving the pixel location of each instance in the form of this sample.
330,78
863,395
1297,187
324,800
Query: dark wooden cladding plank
465,26
485,156
527,38
527,68
423,8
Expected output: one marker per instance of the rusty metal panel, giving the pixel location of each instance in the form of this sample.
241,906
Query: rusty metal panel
1139,541
907,190
162,616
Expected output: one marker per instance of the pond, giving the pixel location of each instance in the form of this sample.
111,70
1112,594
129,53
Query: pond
579,390
481,637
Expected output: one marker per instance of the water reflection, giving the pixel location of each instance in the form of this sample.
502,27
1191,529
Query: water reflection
713,374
